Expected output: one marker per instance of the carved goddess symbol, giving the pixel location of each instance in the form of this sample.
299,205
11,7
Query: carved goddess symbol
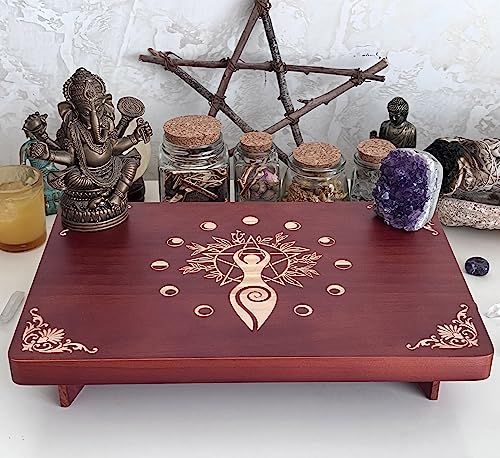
252,299
252,263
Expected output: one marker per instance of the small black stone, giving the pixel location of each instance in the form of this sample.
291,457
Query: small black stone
477,266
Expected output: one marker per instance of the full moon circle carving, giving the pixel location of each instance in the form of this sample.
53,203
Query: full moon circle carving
292,225
250,220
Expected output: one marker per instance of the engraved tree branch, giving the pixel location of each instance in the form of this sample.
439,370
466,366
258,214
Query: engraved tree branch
300,262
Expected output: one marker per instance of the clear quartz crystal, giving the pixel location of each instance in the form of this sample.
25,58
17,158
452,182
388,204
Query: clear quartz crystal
493,311
15,301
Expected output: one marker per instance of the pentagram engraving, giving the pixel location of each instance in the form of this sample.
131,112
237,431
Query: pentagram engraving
288,261
251,263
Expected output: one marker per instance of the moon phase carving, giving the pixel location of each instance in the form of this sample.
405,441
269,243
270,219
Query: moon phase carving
160,265
326,241
204,311
303,310
335,290
169,290
292,225
175,242
343,264
255,267
208,226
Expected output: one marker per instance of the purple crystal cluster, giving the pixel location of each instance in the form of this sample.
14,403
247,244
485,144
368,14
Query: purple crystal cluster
408,189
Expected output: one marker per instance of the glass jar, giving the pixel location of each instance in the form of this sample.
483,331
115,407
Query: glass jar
367,167
364,178
316,173
22,208
189,169
256,168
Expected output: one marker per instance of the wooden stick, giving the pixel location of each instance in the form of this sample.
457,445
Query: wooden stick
189,185
217,101
206,94
280,71
200,89
265,66
325,99
230,65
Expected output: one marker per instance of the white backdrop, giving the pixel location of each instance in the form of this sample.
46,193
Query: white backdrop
443,59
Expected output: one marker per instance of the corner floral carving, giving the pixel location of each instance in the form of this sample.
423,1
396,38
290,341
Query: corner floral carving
461,333
41,338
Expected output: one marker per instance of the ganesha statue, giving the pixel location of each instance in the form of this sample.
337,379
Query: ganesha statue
101,161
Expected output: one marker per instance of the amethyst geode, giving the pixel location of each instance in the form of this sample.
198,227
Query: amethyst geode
407,191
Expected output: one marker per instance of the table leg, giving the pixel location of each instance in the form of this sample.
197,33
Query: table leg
430,389
68,393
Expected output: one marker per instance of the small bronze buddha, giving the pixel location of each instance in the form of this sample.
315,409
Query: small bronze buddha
397,129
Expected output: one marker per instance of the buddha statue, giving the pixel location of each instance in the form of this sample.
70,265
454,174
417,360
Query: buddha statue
397,129
98,172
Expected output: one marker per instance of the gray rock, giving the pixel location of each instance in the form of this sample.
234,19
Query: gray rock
455,212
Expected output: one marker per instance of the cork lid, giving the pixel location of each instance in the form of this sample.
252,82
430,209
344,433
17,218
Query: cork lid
192,131
317,155
256,143
374,150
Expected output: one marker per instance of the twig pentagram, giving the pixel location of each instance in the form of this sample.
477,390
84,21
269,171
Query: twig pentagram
217,101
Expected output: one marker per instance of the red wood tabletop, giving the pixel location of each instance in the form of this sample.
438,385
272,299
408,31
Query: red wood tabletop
293,292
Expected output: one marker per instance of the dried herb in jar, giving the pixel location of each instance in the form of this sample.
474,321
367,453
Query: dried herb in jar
257,168
316,174
206,186
193,162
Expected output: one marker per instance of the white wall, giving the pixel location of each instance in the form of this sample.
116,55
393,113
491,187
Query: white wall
444,59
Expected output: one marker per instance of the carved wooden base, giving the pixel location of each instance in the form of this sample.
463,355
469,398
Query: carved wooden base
430,389
68,393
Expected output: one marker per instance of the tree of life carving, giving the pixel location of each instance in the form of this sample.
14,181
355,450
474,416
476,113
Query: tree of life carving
251,264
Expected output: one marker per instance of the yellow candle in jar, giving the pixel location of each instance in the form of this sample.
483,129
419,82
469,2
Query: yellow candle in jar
22,208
